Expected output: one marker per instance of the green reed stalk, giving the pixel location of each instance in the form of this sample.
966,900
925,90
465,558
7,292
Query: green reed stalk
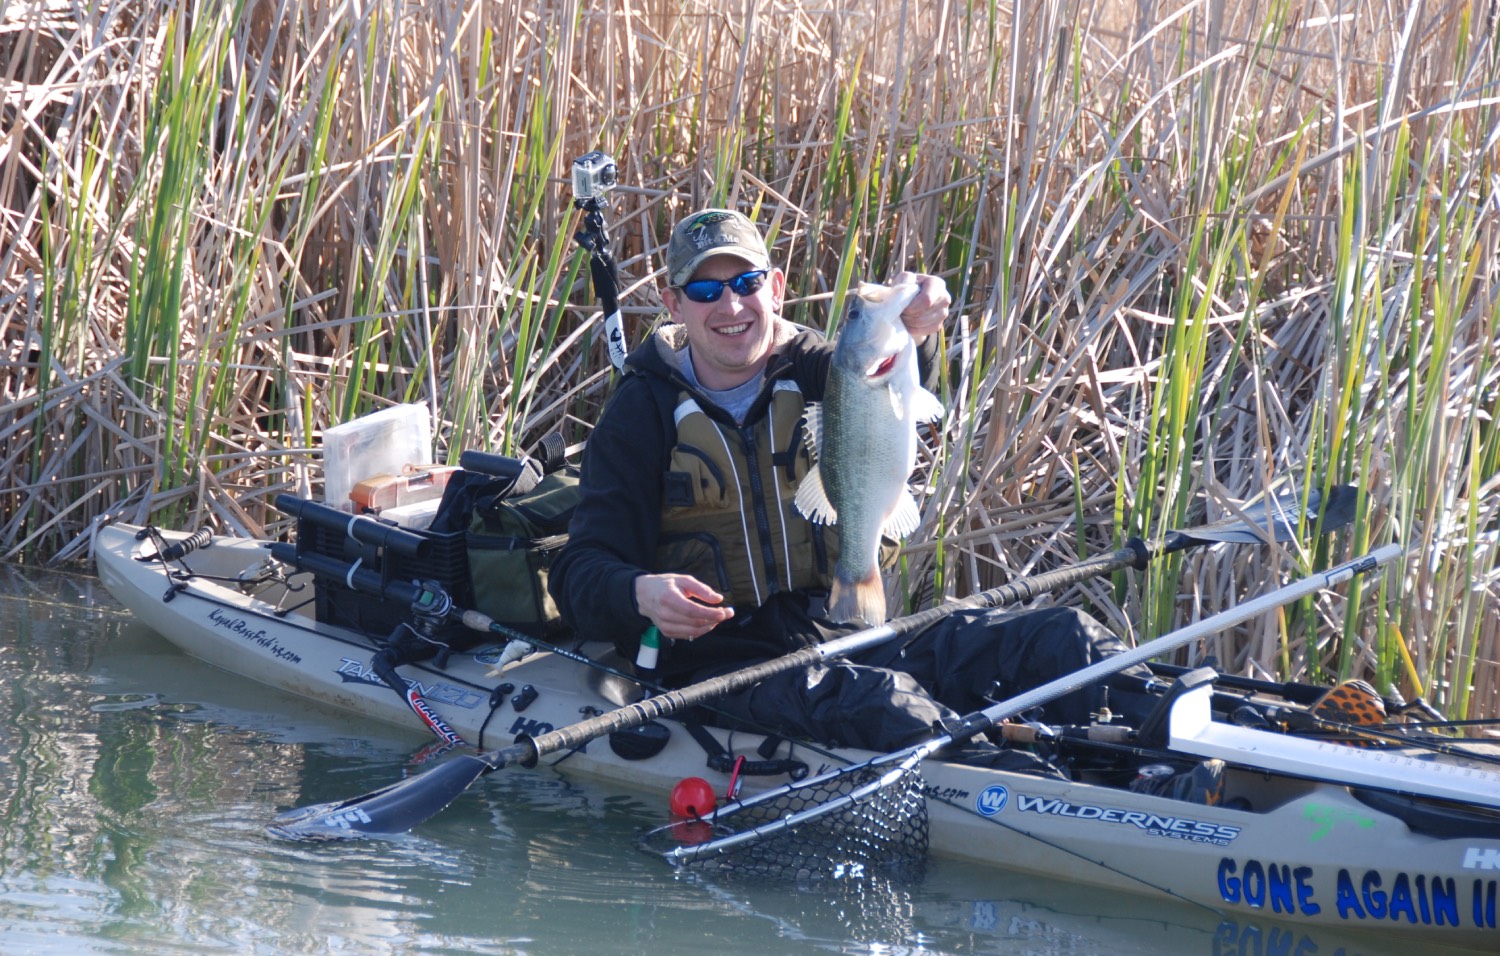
399,220
180,128
300,233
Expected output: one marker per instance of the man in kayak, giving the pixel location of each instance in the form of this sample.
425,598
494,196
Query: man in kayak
686,521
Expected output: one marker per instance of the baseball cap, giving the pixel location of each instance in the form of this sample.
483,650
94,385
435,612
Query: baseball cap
713,232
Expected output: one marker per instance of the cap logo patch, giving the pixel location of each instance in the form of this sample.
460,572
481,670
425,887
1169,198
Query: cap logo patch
709,218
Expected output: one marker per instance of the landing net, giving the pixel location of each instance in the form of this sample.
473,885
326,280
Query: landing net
862,821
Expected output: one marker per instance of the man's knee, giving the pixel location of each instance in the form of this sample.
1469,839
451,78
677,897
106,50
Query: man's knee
873,708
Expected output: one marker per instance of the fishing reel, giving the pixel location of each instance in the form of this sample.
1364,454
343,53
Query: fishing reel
430,607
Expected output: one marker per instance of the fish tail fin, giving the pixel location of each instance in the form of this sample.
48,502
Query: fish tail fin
857,601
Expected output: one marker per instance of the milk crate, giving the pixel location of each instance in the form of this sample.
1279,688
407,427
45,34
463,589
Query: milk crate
320,531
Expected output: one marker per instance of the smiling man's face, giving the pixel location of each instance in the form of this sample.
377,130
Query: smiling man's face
731,338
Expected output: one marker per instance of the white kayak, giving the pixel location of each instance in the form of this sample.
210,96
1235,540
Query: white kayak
1390,839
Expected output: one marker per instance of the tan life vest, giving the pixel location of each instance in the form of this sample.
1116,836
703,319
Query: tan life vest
728,516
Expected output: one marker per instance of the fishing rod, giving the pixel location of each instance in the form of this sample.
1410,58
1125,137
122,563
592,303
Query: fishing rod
1235,698
1308,694
431,607
1307,724
399,807
786,809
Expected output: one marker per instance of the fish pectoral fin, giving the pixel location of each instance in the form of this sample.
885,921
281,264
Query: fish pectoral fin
813,501
898,407
903,519
926,407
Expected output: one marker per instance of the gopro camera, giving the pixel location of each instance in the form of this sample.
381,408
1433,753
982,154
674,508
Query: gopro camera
594,175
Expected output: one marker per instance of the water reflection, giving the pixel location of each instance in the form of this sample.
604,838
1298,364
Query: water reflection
137,783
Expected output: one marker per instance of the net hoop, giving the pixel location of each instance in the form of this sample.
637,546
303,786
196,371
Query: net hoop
865,820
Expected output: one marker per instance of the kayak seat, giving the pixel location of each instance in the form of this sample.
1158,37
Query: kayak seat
1153,730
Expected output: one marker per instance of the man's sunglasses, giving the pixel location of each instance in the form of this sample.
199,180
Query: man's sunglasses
709,290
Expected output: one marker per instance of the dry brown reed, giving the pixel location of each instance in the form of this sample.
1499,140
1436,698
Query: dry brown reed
1198,250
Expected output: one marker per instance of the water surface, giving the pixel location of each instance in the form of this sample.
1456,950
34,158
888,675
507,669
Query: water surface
136,785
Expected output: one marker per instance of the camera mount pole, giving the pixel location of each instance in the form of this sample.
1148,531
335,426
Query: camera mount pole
593,175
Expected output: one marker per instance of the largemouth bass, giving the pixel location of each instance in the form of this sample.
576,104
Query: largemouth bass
864,440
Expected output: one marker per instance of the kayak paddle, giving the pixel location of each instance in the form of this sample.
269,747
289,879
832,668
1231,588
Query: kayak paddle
399,807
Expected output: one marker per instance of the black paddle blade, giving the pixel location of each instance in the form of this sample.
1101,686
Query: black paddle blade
1275,519
393,809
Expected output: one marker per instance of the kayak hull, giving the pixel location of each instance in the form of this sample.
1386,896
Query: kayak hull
1295,850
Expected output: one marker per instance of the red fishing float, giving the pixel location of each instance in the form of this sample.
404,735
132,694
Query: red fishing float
693,797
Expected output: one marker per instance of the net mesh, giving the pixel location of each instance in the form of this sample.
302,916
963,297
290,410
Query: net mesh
853,823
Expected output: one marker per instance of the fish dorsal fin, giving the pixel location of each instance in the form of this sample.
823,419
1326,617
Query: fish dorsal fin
813,501
904,517
926,407
813,433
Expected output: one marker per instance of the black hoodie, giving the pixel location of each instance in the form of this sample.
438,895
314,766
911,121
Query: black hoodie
613,535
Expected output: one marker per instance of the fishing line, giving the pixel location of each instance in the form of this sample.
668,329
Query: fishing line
1439,724
90,608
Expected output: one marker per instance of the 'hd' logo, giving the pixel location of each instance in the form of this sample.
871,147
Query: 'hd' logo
1480,858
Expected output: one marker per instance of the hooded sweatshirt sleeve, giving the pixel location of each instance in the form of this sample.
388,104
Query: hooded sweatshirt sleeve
613,535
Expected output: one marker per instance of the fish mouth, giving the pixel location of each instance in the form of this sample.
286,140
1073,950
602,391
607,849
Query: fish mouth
883,366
